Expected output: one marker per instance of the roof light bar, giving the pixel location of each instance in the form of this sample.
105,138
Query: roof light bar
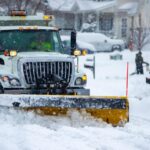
18,13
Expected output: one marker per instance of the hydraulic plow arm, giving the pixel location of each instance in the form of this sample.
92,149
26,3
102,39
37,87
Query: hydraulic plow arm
114,110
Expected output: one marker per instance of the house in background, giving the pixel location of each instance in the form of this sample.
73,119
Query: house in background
134,22
111,17
85,16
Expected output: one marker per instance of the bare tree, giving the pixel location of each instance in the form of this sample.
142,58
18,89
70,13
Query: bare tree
38,3
32,6
144,35
140,36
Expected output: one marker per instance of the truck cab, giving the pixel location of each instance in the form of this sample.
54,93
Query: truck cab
32,58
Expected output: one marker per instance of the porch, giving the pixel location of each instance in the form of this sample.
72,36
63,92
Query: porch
96,17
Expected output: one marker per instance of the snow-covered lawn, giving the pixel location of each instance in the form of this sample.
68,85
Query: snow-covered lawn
27,131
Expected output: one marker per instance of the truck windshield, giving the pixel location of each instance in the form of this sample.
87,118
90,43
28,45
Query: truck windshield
30,41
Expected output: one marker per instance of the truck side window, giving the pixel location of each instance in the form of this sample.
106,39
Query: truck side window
56,42
56,45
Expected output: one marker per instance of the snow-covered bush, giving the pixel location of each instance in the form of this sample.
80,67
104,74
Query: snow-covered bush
90,23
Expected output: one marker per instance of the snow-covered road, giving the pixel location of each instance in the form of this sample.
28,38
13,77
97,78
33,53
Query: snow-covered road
27,131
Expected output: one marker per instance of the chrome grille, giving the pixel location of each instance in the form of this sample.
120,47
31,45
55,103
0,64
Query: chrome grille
39,70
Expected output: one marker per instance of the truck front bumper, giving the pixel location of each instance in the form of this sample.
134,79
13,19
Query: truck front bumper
71,91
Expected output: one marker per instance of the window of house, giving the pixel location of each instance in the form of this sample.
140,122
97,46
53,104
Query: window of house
124,27
106,23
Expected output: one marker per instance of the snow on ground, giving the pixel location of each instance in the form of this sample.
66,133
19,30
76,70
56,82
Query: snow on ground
27,131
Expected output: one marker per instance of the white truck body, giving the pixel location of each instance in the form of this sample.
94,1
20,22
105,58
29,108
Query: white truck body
20,73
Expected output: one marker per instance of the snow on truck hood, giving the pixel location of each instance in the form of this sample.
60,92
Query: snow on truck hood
42,54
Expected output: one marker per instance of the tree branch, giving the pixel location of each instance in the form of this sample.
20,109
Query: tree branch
37,6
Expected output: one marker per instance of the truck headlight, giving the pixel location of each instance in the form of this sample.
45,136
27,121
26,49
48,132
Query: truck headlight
14,82
5,78
78,81
81,80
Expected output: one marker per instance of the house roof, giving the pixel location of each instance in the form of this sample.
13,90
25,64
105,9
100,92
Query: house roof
131,8
79,6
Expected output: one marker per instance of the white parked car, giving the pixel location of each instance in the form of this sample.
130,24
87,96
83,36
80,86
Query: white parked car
101,42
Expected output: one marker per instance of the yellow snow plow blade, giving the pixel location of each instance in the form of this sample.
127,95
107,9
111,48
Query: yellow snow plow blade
113,110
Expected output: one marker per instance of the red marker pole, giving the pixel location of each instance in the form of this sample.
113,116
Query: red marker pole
127,76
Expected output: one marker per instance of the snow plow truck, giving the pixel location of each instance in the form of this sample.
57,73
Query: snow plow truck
36,74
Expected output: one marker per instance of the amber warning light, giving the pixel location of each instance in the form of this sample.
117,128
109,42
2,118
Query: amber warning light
18,13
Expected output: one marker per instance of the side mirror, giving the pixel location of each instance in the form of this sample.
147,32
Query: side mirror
73,42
